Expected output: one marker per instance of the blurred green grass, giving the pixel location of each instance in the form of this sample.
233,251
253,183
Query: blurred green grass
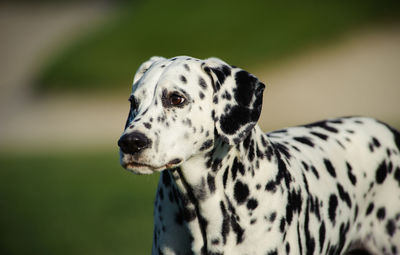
250,33
74,203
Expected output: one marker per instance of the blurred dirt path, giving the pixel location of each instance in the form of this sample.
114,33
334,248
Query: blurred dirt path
358,75
29,33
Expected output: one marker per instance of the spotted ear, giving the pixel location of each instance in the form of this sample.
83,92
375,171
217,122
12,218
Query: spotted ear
237,100
143,67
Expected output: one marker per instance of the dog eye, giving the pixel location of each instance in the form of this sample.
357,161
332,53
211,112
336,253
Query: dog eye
176,100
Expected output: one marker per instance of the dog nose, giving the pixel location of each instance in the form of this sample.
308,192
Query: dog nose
133,142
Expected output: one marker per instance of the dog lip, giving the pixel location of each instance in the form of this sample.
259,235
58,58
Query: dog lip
134,164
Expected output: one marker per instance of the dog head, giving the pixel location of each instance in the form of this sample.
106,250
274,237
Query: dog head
181,106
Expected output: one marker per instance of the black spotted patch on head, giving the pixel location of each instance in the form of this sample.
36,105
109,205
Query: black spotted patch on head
235,119
147,125
202,83
201,95
183,79
221,73
245,87
244,114
187,67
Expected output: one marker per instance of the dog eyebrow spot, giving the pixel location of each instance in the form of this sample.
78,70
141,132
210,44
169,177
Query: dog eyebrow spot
202,83
187,67
183,79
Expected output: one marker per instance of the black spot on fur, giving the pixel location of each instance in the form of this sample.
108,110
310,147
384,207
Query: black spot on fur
187,67
252,204
397,175
321,236
344,195
183,79
225,228
287,247
293,206
315,172
215,241
381,213
237,229
299,239
381,173
211,183
202,83
351,176
391,227
304,140
329,167
270,186
241,192
221,73
206,145
369,209
147,125
245,88
376,142
282,225
333,203
323,125
246,142
305,166
235,119
310,242
319,135
225,176
272,217
282,149
201,95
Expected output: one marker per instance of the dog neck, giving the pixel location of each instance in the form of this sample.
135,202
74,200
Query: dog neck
213,181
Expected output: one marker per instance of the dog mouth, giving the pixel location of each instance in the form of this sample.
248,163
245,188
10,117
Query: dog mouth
143,168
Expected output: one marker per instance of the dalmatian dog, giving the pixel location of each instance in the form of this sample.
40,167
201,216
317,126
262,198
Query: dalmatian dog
330,187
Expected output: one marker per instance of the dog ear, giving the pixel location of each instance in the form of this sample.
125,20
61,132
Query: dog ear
237,100
143,67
